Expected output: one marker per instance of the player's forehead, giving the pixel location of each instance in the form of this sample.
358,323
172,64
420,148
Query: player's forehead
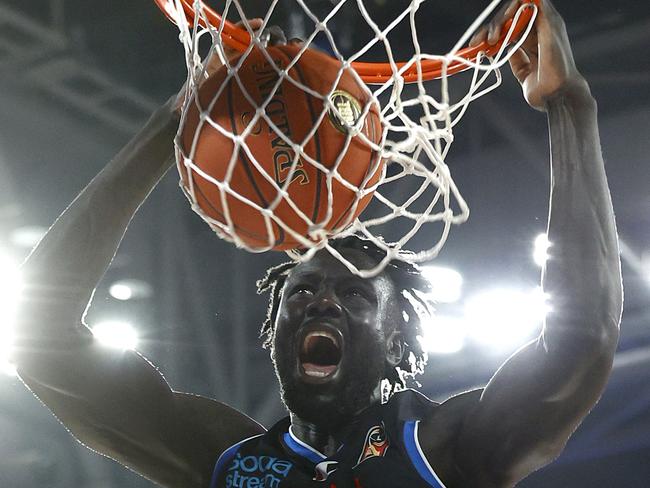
325,266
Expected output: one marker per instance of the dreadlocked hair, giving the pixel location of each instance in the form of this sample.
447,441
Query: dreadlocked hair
412,292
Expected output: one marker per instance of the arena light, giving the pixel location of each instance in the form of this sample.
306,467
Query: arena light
446,283
540,253
120,291
645,265
27,236
6,344
130,289
116,334
444,335
10,288
505,318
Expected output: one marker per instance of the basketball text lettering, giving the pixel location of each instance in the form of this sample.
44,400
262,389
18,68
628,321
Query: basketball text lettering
276,111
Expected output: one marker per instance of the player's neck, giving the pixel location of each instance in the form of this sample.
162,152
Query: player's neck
327,438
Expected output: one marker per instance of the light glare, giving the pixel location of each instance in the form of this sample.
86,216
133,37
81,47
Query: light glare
116,335
130,289
27,236
645,265
505,317
446,283
444,335
120,291
540,254
10,288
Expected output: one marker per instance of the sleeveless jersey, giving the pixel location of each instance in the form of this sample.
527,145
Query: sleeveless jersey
381,449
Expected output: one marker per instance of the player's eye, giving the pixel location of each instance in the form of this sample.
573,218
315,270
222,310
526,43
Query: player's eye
355,292
302,289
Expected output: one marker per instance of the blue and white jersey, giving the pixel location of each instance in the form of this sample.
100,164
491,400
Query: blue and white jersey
380,450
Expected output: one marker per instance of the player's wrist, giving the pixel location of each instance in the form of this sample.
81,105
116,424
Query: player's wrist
575,95
172,108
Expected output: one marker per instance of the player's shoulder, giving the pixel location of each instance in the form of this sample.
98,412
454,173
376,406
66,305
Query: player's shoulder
445,422
414,405
452,413
439,433
412,402
214,415
408,404
462,402
410,396
215,426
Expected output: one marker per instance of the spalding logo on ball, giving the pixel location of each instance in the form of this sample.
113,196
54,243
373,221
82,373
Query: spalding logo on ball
220,174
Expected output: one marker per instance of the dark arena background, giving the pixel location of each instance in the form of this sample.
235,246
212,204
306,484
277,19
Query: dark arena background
77,79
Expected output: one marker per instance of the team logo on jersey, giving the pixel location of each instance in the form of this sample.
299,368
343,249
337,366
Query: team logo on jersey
376,444
325,469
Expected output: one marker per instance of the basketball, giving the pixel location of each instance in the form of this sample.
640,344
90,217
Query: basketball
244,180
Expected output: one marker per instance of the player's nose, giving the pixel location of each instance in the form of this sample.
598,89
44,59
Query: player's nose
324,305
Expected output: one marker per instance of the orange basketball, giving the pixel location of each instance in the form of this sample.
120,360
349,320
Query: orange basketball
295,113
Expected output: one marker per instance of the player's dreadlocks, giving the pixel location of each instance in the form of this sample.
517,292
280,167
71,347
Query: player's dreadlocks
412,289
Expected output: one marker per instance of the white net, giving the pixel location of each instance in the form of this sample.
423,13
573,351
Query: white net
404,189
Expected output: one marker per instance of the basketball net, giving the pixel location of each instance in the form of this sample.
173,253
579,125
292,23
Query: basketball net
417,123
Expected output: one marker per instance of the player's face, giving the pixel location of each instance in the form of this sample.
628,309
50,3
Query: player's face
333,333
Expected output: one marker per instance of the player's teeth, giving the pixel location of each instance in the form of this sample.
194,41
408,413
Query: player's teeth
317,371
318,374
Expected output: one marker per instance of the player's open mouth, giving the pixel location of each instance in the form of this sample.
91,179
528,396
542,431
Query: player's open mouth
320,353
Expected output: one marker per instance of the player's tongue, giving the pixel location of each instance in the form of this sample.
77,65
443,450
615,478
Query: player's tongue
320,354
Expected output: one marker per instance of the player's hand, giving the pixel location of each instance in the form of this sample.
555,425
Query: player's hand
273,35
544,64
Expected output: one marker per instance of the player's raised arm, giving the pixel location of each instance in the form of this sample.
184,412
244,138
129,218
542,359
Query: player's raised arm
541,394
114,402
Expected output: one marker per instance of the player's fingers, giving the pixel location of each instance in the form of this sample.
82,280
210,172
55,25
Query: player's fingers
494,32
520,63
531,44
274,35
512,9
249,25
496,25
479,37
253,24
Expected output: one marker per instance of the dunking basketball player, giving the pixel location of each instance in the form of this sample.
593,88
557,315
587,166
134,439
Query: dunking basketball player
334,337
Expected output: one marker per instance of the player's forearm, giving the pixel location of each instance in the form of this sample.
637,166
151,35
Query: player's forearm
583,275
63,270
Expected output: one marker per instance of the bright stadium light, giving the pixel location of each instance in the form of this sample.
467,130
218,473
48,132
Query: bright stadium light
503,318
645,265
444,335
10,288
130,289
27,236
120,291
447,283
116,334
540,254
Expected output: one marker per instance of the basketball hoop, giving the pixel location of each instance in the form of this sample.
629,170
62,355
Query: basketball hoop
371,73
416,193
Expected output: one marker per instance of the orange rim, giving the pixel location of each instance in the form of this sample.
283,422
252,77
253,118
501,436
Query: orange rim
371,73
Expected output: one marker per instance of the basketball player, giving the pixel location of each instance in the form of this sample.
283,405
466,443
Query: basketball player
335,337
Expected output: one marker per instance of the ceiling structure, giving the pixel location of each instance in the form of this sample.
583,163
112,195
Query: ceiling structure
78,78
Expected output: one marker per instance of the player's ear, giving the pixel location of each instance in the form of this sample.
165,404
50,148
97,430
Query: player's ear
394,348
